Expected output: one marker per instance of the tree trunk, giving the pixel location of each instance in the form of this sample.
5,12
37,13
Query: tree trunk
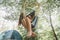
52,27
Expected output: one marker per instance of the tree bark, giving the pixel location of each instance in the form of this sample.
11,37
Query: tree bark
52,27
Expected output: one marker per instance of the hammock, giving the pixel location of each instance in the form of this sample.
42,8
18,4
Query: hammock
34,21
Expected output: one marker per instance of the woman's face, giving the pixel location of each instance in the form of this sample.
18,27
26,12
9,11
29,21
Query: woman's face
30,17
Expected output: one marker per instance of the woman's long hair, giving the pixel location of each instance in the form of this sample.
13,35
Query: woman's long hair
20,18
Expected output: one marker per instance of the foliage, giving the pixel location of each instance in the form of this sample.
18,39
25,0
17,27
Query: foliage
44,9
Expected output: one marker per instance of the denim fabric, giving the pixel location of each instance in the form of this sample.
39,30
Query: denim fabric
11,35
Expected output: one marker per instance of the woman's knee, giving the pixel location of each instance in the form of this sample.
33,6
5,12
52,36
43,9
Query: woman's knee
23,20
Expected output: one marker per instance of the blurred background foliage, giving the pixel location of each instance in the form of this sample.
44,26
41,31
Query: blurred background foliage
48,12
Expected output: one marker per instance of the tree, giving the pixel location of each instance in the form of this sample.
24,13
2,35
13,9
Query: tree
50,6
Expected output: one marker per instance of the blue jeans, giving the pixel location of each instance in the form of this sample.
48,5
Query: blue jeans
11,35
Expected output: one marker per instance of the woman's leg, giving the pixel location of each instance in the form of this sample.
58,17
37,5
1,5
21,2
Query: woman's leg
27,24
28,21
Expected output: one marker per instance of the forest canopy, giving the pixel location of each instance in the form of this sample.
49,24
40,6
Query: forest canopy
48,12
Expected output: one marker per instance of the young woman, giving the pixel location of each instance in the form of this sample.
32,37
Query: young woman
26,21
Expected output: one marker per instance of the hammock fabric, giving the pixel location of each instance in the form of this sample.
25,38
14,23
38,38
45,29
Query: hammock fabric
34,21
